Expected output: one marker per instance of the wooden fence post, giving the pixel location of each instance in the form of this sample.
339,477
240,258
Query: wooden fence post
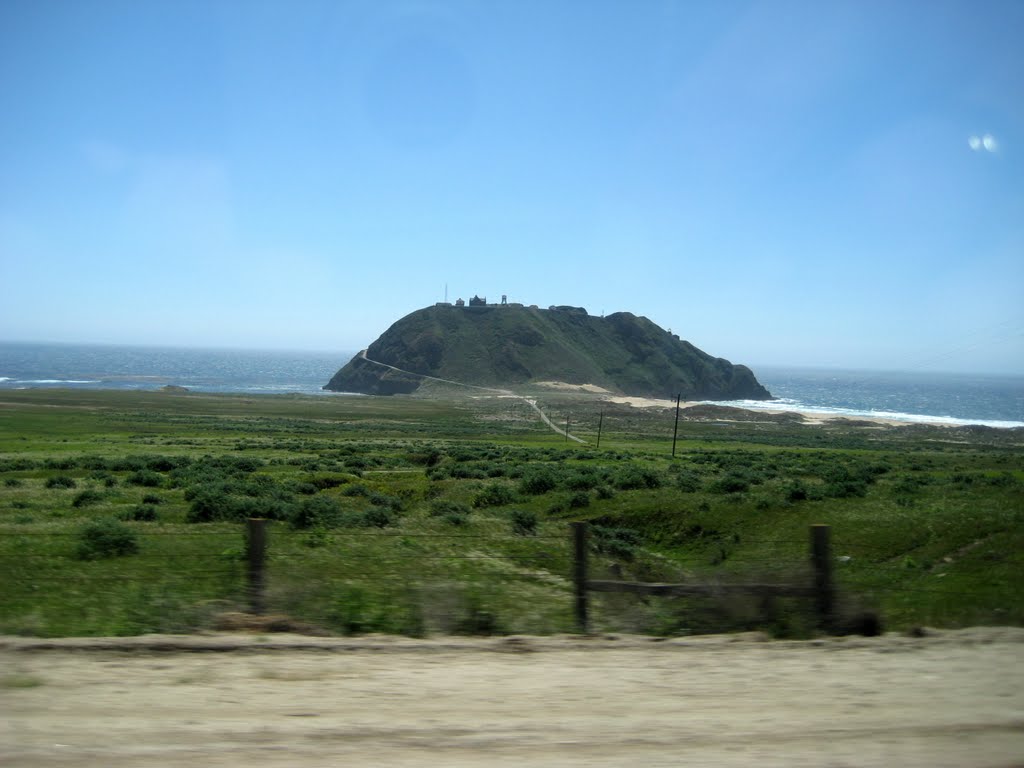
821,560
256,552
579,574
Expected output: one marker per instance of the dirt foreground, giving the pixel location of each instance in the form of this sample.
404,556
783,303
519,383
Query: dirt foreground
951,698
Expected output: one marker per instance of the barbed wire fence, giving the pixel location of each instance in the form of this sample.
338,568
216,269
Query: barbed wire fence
394,581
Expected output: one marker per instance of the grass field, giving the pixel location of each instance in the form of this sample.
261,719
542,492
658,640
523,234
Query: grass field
122,513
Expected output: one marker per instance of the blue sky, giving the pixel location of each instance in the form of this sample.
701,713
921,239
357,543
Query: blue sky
791,183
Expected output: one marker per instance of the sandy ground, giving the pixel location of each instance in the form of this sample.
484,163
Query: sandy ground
948,699
808,418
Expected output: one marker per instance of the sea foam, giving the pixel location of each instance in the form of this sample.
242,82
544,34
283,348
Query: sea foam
795,406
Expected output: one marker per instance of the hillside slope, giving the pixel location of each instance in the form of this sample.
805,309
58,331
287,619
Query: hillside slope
508,345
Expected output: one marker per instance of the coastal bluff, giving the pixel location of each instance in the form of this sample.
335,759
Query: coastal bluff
501,345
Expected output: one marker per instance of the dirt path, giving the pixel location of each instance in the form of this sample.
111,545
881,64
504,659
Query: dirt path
492,390
954,699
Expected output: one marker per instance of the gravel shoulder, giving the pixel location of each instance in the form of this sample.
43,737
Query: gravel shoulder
950,698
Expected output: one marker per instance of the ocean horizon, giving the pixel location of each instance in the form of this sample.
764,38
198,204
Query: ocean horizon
954,399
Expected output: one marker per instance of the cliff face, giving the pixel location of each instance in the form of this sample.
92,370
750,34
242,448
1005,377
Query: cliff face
504,346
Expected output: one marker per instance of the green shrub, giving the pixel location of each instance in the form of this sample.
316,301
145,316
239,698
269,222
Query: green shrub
146,478
456,518
106,538
633,478
356,490
322,482
537,481
463,472
383,500
12,482
730,482
86,498
315,511
604,492
524,522
444,507
688,481
494,495
141,513
61,481
209,504
579,500
378,517
583,481
152,498
845,489
620,543
796,491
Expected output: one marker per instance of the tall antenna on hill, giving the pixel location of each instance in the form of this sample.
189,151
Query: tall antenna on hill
446,293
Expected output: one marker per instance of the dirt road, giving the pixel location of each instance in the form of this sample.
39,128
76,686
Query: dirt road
949,699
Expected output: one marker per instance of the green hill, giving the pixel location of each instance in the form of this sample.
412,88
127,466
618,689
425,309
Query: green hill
504,346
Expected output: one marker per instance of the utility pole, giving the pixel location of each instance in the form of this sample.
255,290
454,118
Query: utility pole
567,428
600,422
675,430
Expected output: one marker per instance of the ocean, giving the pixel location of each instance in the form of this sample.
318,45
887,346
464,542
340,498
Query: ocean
946,398
90,366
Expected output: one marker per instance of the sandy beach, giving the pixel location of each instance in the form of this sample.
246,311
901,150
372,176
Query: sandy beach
952,698
807,418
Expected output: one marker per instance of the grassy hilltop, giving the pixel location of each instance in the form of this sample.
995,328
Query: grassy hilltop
510,345
122,513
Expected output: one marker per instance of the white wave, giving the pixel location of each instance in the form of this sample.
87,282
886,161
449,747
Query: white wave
6,378
59,381
785,404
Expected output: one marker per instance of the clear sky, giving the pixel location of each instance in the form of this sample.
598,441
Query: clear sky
793,183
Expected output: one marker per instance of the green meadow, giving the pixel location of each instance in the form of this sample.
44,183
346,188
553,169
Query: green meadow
123,513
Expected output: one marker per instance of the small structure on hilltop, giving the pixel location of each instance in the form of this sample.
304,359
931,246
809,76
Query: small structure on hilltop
476,301
460,303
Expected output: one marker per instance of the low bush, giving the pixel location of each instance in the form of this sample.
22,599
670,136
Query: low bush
620,543
140,513
687,481
86,498
730,482
315,512
61,481
796,491
209,504
634,478
378,517
443,507
579,500
538,481
146,478
583,481
845,489
321,482
106,538
392,503
461,472
494,495
524,522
